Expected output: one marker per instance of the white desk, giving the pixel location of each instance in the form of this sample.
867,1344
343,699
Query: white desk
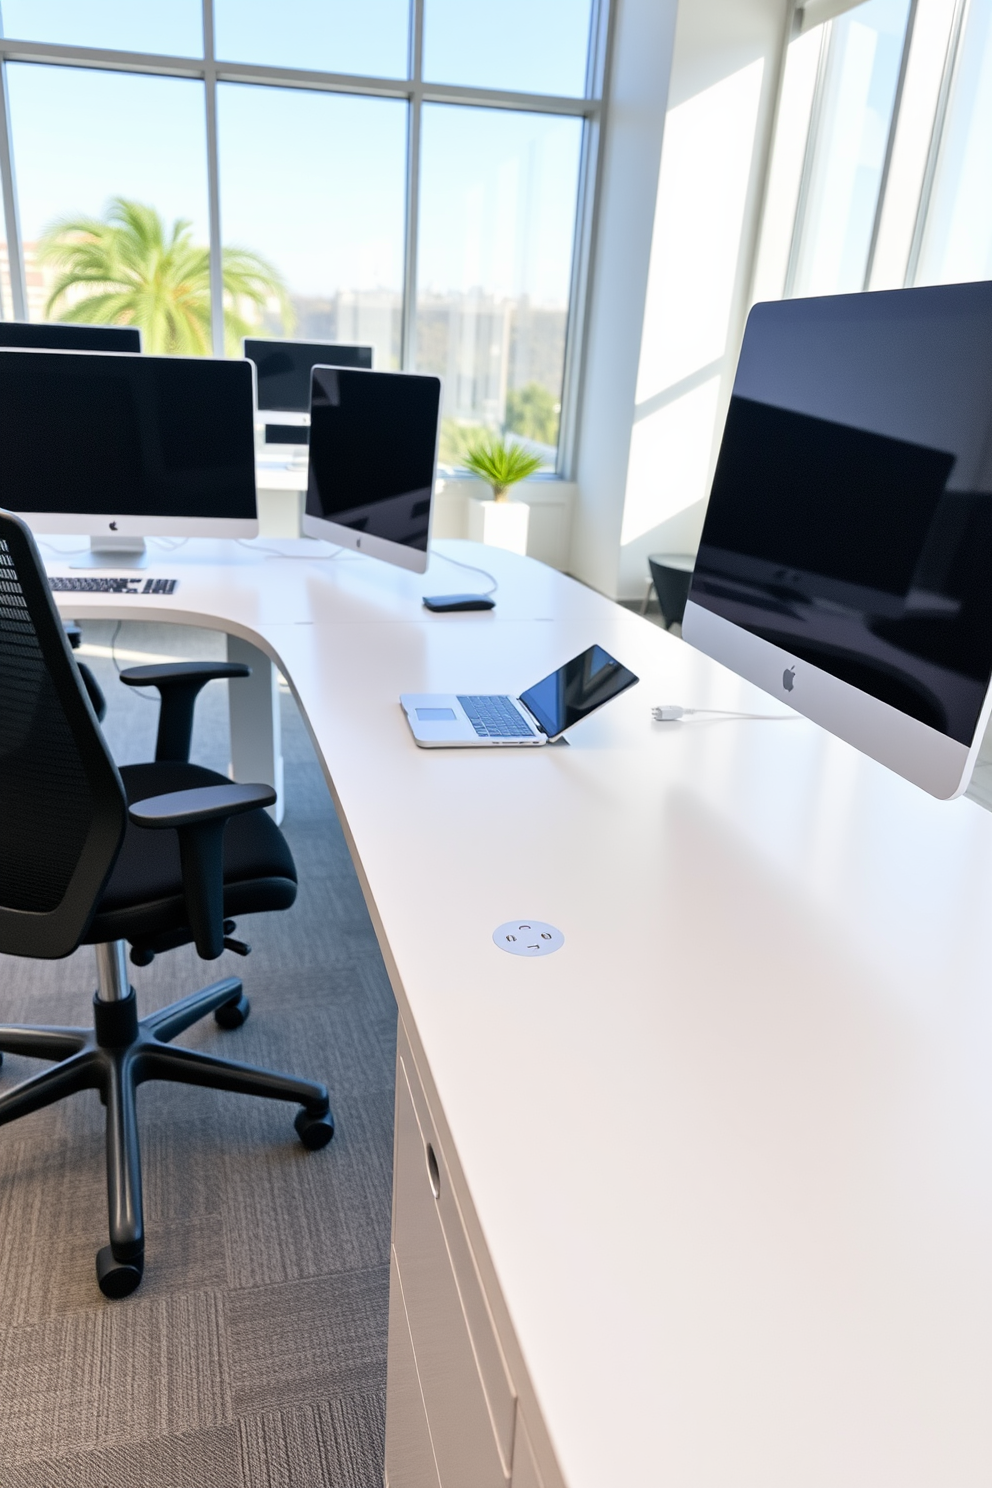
724,1162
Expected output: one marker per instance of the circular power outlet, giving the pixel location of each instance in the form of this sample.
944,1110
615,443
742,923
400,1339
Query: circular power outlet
528,938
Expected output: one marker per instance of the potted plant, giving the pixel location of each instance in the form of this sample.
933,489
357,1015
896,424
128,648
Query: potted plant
501,463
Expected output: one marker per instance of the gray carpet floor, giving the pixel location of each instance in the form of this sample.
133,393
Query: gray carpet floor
254,1353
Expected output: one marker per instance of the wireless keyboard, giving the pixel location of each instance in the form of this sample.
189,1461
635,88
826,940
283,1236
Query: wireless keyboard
62,585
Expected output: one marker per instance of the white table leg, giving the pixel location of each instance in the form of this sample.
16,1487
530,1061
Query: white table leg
256,730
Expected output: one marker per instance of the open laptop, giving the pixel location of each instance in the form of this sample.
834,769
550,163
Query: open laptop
539,716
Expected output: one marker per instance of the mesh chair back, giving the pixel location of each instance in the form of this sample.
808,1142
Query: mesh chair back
62,804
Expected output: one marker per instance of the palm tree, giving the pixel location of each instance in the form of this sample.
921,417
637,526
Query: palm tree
127,268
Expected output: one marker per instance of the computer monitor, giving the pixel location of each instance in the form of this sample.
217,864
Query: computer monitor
61,336
124,447
373,458
284,380
846,557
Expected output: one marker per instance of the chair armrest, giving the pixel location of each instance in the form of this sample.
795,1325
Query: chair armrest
200,806
178,683
199,817
181,673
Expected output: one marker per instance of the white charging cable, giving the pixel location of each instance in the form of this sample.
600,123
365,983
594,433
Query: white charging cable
671,712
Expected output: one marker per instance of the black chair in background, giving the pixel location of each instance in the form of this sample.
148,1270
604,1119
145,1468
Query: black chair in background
671,576
158,855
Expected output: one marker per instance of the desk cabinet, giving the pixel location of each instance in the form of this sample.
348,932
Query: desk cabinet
448,1382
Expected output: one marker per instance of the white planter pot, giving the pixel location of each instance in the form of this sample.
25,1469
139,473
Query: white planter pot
501,524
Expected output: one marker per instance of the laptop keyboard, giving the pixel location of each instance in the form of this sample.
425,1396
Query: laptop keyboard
62,585
495,718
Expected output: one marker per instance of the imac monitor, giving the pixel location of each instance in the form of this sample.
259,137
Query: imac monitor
61,336
123,447
845,564
284,380
373,457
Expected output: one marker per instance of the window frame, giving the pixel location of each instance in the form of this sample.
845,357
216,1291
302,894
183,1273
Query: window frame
211,70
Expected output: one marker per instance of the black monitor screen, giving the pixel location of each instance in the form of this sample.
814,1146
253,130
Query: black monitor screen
850,520
122,435
57,336
373,441
284,369
577,689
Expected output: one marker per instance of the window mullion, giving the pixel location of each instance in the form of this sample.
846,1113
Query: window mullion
409,308
213,183
907,43
15,248
936,137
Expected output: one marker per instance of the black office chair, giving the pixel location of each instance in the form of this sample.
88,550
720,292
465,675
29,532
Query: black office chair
74,636
158,855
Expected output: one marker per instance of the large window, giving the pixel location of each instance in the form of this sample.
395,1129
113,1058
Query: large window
956,243
404,173
882,159
495,254
74,159
337,168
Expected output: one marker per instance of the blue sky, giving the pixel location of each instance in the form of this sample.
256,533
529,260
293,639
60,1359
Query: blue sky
316,182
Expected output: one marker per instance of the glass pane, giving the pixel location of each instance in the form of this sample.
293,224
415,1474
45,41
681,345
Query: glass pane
175,29
315,182
852,130
958,241
368,37
521,46
497,218
795,108
91,191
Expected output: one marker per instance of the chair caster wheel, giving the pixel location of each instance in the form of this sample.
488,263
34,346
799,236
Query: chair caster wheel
233,1014
118,1278
314,1131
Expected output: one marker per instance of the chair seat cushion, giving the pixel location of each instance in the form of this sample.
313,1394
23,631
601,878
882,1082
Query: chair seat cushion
144,895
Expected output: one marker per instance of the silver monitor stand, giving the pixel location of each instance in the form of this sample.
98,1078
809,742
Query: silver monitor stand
110,551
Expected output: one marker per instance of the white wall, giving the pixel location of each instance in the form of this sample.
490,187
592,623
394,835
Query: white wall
631,154
721,100
666,323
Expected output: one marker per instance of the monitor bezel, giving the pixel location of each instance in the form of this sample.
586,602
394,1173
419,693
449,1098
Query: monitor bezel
936,763
72,325
103,524
298,415
415,560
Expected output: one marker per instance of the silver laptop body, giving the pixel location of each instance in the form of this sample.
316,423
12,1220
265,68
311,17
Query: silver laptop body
439,720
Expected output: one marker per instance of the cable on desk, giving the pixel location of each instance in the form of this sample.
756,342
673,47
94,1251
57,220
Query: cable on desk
672,712
472,569
59,552
253,546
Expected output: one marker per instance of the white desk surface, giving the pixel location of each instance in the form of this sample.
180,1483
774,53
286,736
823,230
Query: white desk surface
731,1147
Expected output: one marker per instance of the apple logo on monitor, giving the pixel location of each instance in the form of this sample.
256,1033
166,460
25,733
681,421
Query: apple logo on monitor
788,678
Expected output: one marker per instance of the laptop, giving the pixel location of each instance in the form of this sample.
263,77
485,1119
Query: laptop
441,720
